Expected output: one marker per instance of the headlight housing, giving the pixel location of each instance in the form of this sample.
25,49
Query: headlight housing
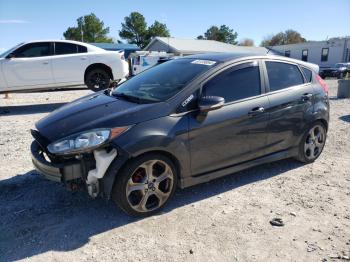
84,141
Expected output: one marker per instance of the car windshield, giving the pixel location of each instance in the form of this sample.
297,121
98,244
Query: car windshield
10,50
163,81
339,65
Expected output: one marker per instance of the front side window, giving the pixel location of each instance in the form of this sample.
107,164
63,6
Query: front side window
236,83
282,75
161,82
324,55
304,55
34,50
11,50
65,48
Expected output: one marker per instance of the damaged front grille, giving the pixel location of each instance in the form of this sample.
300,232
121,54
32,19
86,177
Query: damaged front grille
42,141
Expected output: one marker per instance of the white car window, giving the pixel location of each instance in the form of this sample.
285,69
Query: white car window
34,50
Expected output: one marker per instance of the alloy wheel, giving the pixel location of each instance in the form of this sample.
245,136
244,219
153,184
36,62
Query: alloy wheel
98,81
314,142
150,186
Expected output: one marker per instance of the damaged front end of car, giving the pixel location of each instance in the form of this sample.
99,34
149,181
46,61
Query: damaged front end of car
79,159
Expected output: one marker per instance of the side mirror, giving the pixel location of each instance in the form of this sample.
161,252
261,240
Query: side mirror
209,103
10,55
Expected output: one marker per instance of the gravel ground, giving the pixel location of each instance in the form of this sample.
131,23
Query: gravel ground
224,220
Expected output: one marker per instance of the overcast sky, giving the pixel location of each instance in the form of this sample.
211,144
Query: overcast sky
42,19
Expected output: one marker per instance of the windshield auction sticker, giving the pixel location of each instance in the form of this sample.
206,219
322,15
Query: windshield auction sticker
203,62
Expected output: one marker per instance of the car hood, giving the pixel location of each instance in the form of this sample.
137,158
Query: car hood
96,111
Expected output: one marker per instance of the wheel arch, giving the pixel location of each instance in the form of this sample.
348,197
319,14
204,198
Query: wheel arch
169,155
323,121
110,179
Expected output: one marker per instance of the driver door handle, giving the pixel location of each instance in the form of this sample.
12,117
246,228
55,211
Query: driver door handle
256,111
45,63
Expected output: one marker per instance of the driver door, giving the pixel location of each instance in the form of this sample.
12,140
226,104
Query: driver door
236,132
30,67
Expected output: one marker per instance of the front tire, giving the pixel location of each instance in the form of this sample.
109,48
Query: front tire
145,185
312,143
97,79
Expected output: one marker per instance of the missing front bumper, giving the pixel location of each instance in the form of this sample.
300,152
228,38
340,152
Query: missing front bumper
61,172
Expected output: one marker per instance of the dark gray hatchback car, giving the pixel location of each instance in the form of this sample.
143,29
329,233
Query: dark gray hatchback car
184,122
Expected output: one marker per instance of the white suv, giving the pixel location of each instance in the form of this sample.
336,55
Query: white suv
59,63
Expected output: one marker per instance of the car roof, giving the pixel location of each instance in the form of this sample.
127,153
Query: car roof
91,47
222,57
227,57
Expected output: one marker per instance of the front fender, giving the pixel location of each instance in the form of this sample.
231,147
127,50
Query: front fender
168,134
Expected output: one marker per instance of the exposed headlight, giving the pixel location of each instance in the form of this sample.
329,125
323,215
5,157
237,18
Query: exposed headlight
84,141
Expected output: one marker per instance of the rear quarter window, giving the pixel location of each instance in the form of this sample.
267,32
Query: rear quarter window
307,74
82,49
283,75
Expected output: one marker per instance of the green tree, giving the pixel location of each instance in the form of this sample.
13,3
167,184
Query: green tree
135,30
283,38
89,29
157,29
221,34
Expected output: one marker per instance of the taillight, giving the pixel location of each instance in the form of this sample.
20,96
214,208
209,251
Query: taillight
322,83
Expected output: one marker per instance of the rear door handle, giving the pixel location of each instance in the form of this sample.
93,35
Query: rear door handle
256,111
306,97
83,58
45,63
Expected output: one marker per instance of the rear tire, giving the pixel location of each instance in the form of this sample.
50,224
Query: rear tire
145,185
97,79
312,143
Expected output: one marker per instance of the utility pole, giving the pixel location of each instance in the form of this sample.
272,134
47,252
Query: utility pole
81,30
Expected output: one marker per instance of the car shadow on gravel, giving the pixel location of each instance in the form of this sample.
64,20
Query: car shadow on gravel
345,118
38,216
29,109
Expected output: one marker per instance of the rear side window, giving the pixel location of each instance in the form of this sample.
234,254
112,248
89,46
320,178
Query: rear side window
236,83
34,50
283,75
307,74
65,48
